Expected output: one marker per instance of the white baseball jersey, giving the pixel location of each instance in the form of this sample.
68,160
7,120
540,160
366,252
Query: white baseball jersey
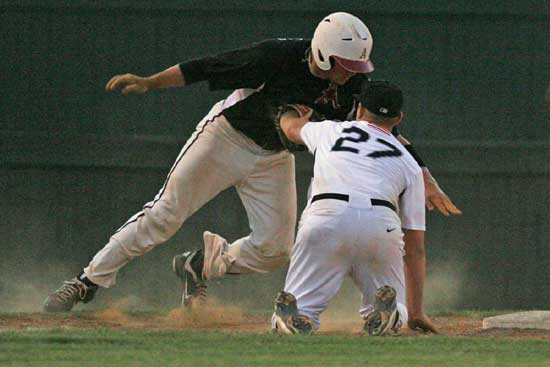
364,161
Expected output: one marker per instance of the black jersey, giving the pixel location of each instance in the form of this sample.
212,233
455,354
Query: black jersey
279,70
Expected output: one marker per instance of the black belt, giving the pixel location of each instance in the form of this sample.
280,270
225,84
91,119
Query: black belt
344,197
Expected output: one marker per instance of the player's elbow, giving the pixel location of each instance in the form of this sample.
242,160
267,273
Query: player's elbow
294,135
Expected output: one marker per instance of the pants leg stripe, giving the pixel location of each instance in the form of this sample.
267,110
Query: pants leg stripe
190,142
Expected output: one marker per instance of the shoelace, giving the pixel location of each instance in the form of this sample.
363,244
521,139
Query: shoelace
71,289
201,292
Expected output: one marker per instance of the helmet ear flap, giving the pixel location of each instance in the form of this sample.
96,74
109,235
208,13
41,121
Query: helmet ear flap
330,59
320,55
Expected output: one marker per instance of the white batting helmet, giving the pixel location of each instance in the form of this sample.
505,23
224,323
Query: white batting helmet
345,38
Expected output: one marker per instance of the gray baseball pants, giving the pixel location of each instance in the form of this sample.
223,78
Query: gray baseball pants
214,158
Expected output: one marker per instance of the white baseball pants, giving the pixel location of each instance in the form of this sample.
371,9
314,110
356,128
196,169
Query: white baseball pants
214,158
338,238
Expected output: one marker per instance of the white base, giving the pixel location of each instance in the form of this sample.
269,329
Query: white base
521,320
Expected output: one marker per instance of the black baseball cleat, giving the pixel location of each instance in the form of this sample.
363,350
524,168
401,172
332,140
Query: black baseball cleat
69,294
384,319
286,318
188,267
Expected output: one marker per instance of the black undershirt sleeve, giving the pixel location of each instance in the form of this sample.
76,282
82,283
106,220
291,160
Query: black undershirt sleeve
415,155
243,68
395,131
410,149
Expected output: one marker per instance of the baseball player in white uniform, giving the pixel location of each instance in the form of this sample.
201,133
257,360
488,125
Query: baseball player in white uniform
367,195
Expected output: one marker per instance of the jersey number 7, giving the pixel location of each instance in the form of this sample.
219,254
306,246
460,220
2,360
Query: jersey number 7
357,135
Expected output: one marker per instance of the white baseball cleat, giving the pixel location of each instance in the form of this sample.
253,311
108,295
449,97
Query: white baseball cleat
286,318
384,319
188,267
216,259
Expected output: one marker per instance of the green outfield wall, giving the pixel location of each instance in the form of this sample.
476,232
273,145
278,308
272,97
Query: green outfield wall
76,161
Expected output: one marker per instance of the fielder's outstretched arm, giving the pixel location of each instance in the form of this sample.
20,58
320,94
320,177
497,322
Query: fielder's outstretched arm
415,274
130,83
435,197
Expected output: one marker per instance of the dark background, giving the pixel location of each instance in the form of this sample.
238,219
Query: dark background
77,161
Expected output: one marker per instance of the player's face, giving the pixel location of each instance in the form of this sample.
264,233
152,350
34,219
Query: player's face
339,75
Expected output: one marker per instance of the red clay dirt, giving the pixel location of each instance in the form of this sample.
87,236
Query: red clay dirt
233,319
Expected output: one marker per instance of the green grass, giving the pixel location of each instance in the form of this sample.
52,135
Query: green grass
107,347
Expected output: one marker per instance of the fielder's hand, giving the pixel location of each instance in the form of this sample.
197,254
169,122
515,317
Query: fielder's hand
302,110
422,323
436,198
129,83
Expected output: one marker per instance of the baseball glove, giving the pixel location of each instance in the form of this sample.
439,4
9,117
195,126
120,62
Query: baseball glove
299,111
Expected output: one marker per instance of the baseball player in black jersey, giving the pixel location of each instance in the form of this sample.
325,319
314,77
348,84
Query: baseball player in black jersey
237,144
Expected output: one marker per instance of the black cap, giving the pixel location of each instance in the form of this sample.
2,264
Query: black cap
381,98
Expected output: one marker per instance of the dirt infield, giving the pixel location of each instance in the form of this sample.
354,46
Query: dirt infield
233,319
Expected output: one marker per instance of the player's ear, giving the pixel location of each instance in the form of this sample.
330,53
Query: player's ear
398,121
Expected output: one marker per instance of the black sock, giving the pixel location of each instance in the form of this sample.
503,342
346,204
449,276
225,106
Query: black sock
82,277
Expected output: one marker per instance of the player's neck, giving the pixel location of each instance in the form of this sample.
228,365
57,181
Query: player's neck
365,115
386,127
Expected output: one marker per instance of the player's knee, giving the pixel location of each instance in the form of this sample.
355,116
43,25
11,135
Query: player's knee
284,233
277,233
163,220
279,246
270,248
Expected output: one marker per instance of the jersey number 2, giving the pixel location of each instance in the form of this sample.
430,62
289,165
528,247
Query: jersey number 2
356,135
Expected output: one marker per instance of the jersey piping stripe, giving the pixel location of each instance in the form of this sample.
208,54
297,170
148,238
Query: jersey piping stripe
188,145
378,128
